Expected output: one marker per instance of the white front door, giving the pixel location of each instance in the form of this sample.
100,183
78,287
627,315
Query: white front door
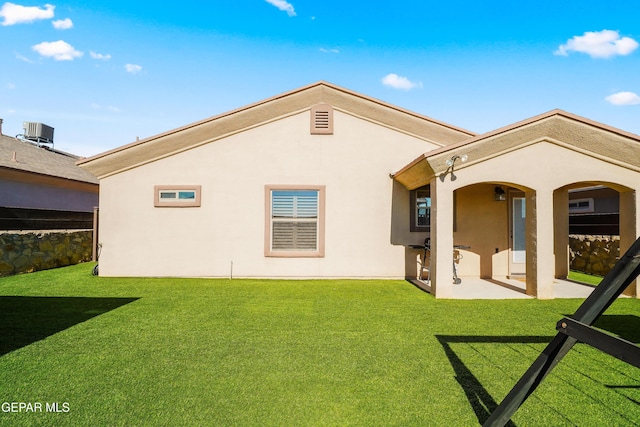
517,255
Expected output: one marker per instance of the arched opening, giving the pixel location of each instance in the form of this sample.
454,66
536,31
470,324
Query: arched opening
593,223
490,218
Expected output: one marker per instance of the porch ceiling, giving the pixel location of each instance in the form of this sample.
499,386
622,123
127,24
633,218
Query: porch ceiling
558,127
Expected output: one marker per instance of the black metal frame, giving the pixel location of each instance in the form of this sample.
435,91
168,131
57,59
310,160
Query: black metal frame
614,346
578,328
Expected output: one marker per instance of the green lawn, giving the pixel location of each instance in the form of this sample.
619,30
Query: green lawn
172,352
590,279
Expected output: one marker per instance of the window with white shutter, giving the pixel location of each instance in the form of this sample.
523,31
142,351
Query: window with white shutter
295,223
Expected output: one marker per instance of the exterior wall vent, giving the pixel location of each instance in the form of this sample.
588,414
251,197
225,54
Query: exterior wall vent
37,132
322,119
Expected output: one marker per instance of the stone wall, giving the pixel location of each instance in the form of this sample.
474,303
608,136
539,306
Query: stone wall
593,254
28,251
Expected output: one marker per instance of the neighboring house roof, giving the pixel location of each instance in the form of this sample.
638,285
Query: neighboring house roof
23,157
296,101
558,127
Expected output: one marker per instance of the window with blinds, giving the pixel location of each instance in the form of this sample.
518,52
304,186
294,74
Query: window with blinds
295,221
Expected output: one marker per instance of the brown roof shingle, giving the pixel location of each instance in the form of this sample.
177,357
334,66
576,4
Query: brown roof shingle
25,156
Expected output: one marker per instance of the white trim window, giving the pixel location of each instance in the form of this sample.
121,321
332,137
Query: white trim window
177,196
581,206
295,222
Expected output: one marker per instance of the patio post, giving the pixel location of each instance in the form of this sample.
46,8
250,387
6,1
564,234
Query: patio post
629,229
561,232
540,243
441,239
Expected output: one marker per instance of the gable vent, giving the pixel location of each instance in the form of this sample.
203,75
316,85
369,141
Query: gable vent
322,119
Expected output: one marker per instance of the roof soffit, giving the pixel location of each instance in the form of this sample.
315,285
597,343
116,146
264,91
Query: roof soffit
563,129
284,105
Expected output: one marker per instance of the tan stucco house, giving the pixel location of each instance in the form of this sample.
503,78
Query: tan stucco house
323,182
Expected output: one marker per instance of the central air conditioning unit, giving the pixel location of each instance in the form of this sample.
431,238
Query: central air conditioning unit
38,133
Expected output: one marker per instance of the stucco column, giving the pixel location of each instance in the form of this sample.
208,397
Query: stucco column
629,228
561,232
441,239
539,230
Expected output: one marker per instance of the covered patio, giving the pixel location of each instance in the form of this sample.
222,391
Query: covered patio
523,235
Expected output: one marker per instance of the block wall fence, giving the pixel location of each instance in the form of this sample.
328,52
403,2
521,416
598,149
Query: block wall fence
29,251
593,254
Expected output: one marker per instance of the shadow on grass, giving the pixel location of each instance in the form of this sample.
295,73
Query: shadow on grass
482,403
626,326
25,320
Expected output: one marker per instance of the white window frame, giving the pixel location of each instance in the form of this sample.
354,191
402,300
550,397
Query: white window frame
318,252
581,209
177,201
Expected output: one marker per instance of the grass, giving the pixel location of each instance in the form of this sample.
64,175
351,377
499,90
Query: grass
309,353
585,278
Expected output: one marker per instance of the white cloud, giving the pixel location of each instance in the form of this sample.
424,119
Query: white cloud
16,14
623,98
110,108
62,24
601,44
323,50
60,50
398,82
24,58
103,57
133,68
283,5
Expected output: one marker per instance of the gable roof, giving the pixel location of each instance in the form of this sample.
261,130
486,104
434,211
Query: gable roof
557,126
17,156
289,103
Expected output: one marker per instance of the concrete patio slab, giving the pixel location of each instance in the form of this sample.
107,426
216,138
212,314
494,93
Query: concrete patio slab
504,288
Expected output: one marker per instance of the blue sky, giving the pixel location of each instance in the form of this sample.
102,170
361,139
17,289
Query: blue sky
105,72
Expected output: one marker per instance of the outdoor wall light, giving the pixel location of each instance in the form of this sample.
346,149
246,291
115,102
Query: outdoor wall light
450,162
500,194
